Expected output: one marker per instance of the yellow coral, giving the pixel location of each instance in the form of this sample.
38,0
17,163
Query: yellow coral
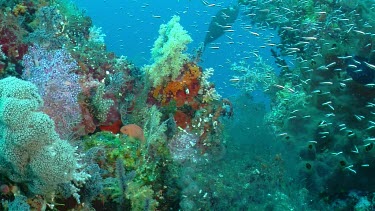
19,9
167,52
141,196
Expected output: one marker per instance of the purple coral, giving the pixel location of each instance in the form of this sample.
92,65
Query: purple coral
53,73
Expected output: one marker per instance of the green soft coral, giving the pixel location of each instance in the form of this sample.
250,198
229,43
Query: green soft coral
127,149
141,196
133,157
100,104
117,146
167,52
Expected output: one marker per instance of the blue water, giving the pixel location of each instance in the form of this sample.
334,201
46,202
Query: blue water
131,29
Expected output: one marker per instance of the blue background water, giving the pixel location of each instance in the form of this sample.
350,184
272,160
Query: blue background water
131,29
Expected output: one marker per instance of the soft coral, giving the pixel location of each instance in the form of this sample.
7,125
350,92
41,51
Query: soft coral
11,38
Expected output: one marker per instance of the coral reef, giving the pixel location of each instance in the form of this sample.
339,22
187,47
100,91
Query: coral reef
322,103
90,130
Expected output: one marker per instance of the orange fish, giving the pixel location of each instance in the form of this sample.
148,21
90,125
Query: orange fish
133,131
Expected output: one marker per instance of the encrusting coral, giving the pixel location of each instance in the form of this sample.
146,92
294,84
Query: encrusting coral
183,89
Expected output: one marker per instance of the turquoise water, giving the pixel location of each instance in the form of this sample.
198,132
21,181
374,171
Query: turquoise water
131,29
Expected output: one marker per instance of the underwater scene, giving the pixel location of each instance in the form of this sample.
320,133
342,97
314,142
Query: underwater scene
190,105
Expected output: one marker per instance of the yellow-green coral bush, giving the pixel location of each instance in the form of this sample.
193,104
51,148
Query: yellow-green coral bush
141,197
167,52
